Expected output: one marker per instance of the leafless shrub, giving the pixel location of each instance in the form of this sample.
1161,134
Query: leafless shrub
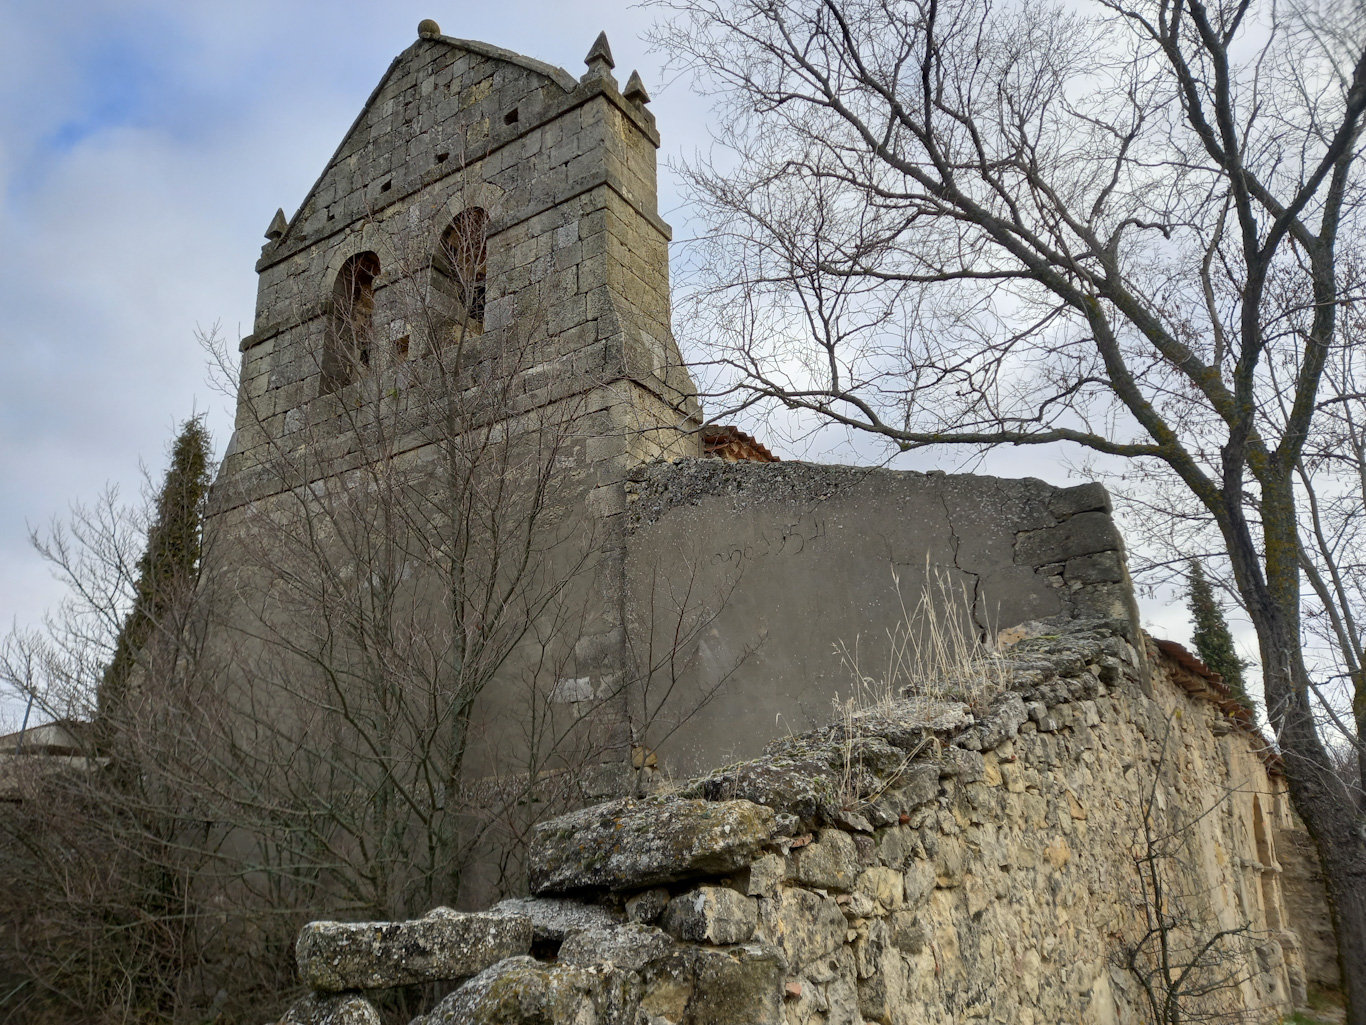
1188,967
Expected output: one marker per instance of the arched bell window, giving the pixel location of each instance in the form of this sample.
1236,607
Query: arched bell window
462,260
349,331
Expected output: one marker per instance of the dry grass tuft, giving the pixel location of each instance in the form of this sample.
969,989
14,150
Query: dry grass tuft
935,652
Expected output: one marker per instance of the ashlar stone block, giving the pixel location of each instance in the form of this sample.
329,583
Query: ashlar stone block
1083,534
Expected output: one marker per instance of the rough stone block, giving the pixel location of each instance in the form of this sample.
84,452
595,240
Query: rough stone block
765,876
806,788
919,784
1084,534
884,885
331,1009
1039,714
909,934
966,766
522,989
949,863
711,914
443,944
1003,721
630,844
648,906
829,864
627,946
554,918
807,926
740,985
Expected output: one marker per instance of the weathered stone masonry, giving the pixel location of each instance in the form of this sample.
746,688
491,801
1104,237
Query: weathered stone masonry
907,864
577,258
912,863
569,185
796,557
778,561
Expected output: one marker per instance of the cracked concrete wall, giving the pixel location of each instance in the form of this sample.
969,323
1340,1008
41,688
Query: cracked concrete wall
743,577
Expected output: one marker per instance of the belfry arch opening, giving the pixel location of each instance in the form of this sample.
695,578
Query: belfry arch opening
462,266
350,333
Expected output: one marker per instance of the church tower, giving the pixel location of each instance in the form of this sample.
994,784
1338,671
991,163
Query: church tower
480,265
479,194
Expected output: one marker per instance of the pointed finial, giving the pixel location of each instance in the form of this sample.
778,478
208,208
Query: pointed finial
277,228
635,89
600,53
428,29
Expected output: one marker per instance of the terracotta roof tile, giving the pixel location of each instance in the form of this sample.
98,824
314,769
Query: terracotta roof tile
733,445
1199,680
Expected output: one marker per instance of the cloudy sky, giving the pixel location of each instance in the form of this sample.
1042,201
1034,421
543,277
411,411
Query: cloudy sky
144,146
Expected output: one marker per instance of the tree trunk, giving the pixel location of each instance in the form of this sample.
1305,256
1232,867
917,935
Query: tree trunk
1320,796
1338,831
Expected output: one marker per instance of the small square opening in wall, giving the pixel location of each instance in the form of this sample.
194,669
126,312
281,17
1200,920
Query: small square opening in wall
441,158
401,348
386,186
510,118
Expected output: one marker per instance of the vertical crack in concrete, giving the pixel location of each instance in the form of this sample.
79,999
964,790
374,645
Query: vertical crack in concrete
983,632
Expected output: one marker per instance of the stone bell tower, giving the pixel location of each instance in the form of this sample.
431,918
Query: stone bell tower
558,176
485,201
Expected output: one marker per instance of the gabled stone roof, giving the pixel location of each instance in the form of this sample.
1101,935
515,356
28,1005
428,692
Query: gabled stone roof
558,75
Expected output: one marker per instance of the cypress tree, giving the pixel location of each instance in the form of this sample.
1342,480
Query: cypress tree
1213,641
170,564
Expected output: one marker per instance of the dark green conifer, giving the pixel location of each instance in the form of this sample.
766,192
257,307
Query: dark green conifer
170,564
1213,641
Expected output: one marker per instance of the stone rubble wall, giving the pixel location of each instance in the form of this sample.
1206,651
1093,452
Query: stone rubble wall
1305,897
913,862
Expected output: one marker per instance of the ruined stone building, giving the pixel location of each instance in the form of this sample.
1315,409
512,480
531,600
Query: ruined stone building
486,240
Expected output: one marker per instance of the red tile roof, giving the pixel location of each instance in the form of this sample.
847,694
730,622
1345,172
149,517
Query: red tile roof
1199,680
733,445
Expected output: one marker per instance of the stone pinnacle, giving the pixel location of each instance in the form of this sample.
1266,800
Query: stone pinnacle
600,52
278,225
635,89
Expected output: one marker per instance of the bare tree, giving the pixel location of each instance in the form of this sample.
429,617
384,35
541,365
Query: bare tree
954,222
1331,475
99,845
381,594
